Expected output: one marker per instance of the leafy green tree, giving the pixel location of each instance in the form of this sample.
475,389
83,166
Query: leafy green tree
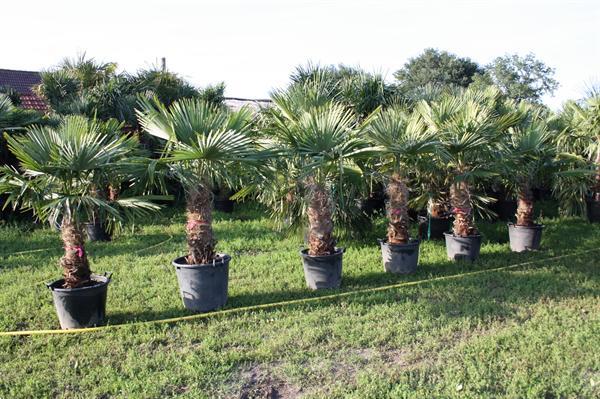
59,172
519,78
436,67
205,146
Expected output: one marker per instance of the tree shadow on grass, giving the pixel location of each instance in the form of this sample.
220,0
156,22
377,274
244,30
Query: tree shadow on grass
491,294
39,251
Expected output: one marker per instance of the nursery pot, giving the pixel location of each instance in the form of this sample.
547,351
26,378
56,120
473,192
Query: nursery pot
80,307
203,287
96,232
400,258
524,238
436,227
593,211
323,271
458,247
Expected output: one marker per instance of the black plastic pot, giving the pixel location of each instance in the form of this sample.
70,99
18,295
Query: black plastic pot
400,258
323,271
96,232
203,287
524,238
459,248
80,307
593,211
434,227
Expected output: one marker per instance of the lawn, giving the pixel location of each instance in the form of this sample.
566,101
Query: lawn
528,332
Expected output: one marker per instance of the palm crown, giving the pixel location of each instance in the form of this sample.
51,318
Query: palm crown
319,143
205,146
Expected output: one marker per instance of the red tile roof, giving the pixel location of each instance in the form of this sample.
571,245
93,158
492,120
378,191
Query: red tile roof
23,82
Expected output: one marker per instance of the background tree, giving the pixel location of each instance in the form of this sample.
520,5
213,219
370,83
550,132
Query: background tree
519,78
360,91
87,87
438,68
580,136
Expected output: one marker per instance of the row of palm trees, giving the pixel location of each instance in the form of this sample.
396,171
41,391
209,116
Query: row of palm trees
308,157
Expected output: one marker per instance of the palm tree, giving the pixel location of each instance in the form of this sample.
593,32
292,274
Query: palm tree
401,139
319,140
205,146
59,171
581,136
468,126
527,154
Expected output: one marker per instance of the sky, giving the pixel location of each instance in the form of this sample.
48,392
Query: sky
254,45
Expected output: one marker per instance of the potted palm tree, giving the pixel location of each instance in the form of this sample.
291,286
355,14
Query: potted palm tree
527,155
205,146
402,141
58,170
467,129
319,140
581,136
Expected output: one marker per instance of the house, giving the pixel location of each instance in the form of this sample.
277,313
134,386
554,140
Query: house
23,82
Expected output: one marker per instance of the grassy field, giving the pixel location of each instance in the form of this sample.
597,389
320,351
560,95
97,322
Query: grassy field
530,332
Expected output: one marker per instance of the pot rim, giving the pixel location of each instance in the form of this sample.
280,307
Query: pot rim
451,234
338,251
223,259
101,280
536,226
411,242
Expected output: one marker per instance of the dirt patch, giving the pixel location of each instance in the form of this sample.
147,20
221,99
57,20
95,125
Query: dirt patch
263,384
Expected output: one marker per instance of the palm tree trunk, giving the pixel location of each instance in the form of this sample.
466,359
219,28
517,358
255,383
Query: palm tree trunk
320,221
397,232
525,207
76,268
200,239
460,198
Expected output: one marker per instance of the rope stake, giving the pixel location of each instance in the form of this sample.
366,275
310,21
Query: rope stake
244,309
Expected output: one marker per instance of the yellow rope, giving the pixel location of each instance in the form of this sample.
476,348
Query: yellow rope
285,303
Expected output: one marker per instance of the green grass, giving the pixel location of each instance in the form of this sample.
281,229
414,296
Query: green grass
531,332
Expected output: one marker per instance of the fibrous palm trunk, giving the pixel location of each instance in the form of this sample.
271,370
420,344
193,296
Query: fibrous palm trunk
397,232
200,239
76,268
460,199
525,207
320,221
